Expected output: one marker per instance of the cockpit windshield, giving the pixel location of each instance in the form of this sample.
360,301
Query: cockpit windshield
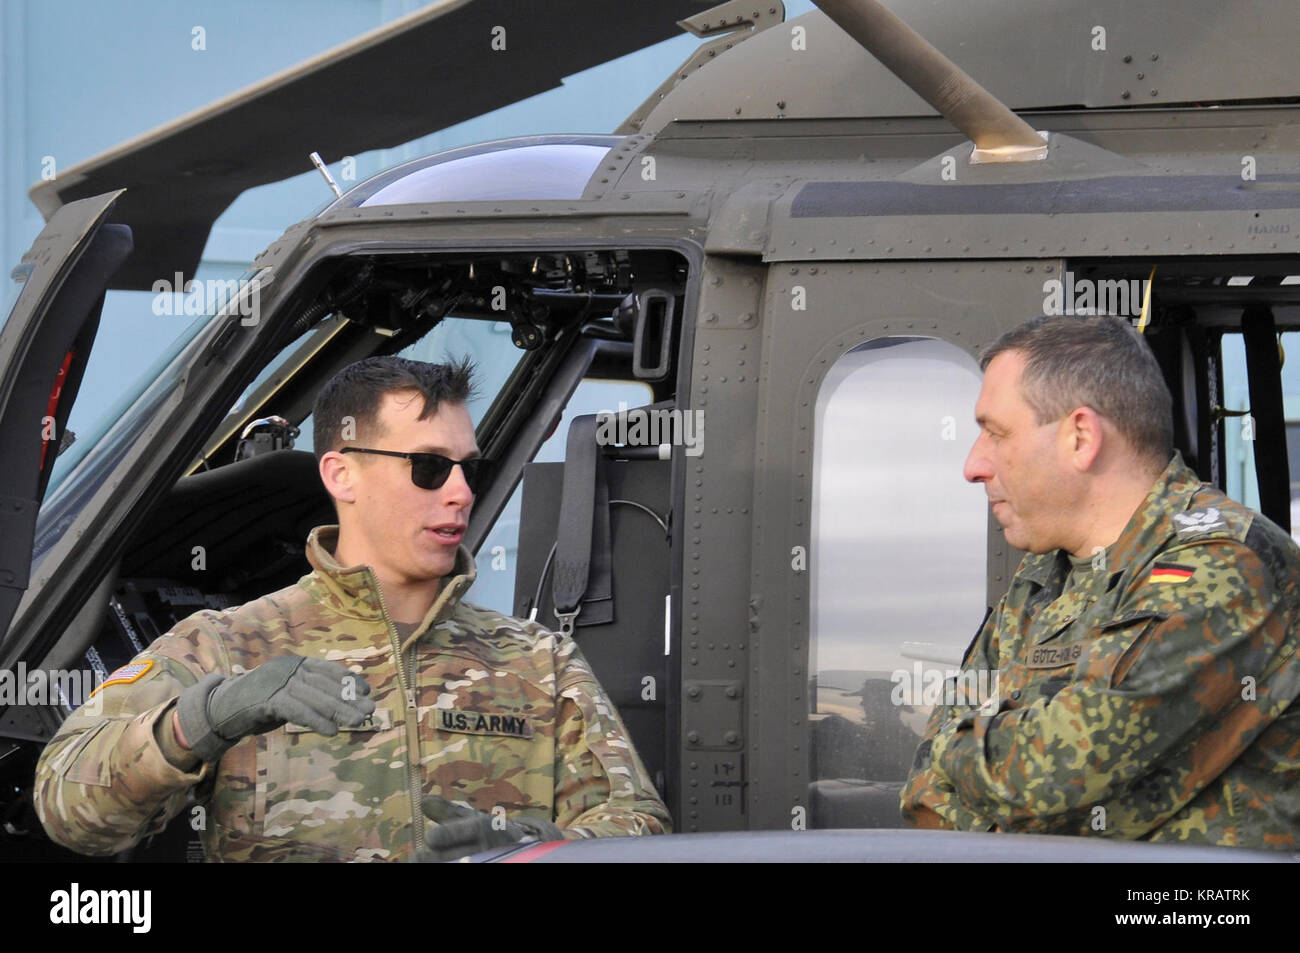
113,432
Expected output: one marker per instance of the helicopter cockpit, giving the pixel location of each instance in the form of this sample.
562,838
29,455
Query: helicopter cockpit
553,332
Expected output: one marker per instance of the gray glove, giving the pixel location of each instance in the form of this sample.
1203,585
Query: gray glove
462,831
217,711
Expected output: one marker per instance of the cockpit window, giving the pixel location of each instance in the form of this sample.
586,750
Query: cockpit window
113,433
486,343
126,413
536,167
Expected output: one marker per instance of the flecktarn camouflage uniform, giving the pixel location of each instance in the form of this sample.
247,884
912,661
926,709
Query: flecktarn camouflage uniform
1152,698
477,707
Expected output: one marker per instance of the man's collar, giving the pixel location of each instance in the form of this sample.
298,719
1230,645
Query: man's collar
353,590
1149,525
1151,522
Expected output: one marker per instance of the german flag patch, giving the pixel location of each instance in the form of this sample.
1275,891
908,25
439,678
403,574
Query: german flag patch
126,675
1171,572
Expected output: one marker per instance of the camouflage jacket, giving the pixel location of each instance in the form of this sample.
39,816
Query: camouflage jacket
1152,700
498,713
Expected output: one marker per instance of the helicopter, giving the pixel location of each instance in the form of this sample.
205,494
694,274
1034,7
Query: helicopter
785,262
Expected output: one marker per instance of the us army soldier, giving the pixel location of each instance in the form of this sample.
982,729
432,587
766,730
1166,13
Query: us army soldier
334,719
1145,653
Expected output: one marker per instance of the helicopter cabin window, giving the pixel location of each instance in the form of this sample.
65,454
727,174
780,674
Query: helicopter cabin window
1241,480
898,565
498,556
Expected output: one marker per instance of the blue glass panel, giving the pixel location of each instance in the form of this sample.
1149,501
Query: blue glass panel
532,167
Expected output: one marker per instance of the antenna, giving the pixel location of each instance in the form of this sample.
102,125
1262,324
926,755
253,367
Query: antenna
320,164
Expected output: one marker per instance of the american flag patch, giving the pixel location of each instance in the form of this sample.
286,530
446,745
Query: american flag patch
126,674
1171,572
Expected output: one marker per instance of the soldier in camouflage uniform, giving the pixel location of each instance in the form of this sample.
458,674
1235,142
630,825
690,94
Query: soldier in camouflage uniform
417,702
1145,653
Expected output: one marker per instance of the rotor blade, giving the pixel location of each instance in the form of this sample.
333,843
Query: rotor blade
441,65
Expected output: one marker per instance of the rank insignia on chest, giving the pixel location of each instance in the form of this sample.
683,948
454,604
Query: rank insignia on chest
1171,572
483,723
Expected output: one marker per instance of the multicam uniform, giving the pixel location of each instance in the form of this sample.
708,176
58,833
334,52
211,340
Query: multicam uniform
481,708
1150,698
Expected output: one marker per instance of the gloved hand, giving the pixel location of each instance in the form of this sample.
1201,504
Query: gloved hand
217,711
462,831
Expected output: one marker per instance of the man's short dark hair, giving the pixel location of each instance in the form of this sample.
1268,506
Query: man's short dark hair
1093,361
357,392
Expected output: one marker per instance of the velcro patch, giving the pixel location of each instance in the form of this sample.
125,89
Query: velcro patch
125,675
1171,572
381,719
1195,522
1054,656
483,723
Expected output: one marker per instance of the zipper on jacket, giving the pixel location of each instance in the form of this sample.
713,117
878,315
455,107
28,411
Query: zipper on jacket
412,723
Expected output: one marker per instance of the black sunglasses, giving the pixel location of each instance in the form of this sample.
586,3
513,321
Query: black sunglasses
429,471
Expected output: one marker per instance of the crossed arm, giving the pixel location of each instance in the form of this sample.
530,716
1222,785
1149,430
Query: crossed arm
1158,709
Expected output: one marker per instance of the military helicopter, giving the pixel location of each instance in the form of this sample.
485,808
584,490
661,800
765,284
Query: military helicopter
802,239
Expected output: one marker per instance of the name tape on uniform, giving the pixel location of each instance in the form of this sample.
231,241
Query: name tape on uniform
1052,656
381,719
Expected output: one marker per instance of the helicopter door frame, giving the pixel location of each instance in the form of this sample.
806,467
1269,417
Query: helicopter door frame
44,347
814,314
